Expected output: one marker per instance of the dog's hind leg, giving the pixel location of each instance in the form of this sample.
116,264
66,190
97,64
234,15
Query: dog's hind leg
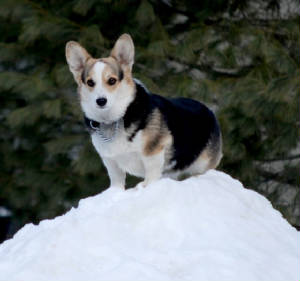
171,175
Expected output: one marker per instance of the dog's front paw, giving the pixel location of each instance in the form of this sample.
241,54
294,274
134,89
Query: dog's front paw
144,183
141,185
118,186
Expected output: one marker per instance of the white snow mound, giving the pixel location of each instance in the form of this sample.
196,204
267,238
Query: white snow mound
204,228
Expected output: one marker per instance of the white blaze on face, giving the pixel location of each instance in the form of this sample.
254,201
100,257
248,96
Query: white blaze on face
117,98
97,74
89,95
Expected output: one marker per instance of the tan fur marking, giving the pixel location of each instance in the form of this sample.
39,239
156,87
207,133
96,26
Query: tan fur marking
209,158
128,76
108,72
116,67
201,164
216,153
156,135
88,71
112,70
205,156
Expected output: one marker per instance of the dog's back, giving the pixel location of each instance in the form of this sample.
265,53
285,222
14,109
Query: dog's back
196,138
193,123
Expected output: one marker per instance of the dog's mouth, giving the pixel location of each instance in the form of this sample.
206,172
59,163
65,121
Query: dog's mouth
102,109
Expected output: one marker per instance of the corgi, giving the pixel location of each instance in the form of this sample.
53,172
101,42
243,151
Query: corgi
138,132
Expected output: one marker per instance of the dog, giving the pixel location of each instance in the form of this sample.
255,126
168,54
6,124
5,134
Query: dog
138,132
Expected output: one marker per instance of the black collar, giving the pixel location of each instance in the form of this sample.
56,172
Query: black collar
91,124
107,132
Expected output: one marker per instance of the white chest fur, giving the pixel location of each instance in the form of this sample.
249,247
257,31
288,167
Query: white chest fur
125,153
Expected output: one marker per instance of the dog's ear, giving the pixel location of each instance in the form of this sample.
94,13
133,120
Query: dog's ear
123,51
77,57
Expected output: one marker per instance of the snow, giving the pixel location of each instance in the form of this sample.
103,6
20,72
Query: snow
203,228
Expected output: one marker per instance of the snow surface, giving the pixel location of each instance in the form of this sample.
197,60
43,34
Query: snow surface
204,228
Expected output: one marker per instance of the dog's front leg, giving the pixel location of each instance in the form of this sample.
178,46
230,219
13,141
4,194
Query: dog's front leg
116,175
153,165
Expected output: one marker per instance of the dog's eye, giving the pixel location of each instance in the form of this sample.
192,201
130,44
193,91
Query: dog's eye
90,83
111,81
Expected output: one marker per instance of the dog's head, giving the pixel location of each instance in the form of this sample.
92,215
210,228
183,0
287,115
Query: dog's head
105,85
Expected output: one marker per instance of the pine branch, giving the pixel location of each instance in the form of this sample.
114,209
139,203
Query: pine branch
173,9
284,158
279,177
45,13
214,73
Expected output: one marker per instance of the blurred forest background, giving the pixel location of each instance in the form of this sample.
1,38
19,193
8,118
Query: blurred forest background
240,57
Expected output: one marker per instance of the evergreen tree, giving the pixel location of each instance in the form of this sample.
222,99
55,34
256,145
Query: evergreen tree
239,57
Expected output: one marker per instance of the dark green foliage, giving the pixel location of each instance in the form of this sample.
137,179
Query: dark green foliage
242,62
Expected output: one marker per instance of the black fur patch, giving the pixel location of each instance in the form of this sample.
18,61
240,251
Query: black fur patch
138,111
91,124
192,125
82,77
121,74
190,122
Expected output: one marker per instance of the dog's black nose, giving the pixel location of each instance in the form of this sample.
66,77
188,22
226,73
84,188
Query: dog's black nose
101,101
